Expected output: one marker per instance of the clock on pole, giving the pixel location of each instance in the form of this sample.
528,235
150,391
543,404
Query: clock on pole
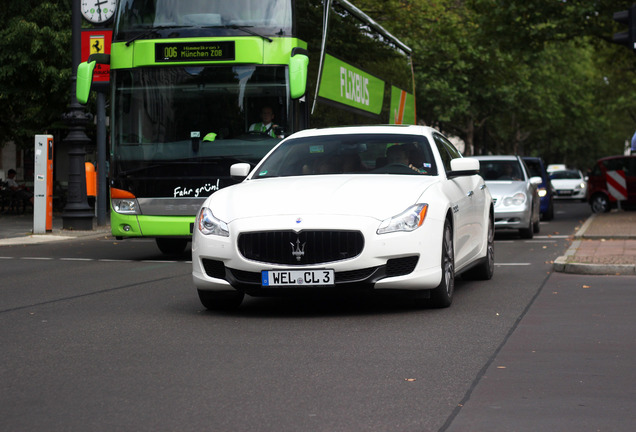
98,11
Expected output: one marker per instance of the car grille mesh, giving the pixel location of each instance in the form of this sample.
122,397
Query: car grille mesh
300,248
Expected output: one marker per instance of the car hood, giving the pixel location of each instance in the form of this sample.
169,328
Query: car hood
499,189
566,183
377,196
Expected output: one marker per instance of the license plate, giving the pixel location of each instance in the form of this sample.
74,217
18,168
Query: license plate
564,192
297,277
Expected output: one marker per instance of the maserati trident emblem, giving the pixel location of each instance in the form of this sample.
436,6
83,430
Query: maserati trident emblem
298,250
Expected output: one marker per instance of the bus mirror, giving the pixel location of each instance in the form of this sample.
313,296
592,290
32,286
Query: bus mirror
84,81
298,73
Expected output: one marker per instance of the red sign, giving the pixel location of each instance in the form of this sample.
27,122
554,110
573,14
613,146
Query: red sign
617,184
97,42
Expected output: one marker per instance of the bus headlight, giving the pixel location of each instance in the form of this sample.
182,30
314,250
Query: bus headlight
210,225
125,205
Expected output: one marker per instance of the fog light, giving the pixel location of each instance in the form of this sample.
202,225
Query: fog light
126,228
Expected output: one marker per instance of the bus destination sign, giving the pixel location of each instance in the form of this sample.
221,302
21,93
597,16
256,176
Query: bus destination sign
194,51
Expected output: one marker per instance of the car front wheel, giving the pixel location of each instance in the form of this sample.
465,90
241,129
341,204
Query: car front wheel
527,233
600,203
442,296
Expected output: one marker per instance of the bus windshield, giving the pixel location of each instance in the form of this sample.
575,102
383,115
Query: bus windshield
189,113
264,16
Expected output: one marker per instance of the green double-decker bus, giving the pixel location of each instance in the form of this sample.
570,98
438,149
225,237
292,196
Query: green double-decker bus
192,84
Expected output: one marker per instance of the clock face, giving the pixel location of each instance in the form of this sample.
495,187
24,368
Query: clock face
98,11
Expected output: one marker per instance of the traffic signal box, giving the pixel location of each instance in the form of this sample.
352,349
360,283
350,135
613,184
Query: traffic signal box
627,38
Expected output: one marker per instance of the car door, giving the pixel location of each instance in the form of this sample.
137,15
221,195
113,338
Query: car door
467,197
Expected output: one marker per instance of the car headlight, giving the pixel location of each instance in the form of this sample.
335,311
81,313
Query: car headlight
515,200
409,220
542,192
580,186
125,205
209,225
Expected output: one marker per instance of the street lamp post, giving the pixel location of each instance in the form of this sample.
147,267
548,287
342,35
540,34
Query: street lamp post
77,214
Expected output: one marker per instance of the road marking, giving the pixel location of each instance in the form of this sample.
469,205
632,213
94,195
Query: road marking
77,259
513,264
91,259
37,258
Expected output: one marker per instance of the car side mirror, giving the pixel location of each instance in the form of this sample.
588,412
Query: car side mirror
536,180
463,167
239,171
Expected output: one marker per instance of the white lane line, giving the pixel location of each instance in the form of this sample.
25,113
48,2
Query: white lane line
37,258
77,259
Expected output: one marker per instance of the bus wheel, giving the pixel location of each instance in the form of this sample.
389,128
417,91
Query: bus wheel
171,246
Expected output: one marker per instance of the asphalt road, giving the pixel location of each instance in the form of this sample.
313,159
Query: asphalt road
103,335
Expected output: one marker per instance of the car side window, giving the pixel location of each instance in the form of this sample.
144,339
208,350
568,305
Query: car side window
527,170
446,150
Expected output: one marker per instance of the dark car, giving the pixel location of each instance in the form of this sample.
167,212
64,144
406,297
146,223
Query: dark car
538,169
600,194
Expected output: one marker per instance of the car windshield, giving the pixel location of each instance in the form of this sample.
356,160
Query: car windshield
565,175
500,170
351,154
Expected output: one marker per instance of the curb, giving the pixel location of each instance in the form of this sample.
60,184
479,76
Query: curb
562,265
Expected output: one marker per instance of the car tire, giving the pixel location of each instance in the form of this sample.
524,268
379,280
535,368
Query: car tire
527,233
549,215
171,246
221,300
600,203
536,227
485,269
442,296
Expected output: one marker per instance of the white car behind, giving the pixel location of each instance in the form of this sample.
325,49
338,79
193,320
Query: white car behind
569,184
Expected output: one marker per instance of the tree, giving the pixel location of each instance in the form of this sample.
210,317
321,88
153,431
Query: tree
35,67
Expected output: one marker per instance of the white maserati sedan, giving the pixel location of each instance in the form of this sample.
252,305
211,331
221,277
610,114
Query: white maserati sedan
365,207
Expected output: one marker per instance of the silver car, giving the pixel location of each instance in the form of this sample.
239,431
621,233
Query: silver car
514,192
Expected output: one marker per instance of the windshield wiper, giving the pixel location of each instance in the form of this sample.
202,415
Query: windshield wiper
246,29
234,158
150,31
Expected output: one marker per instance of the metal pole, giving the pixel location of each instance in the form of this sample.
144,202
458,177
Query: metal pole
77,214
102,169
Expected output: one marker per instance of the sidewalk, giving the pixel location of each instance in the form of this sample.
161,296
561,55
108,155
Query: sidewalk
604,245
17,229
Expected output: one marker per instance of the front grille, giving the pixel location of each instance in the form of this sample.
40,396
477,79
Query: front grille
300,248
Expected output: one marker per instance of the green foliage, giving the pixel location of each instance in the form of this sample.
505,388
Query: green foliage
532,77
520,76
35,66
